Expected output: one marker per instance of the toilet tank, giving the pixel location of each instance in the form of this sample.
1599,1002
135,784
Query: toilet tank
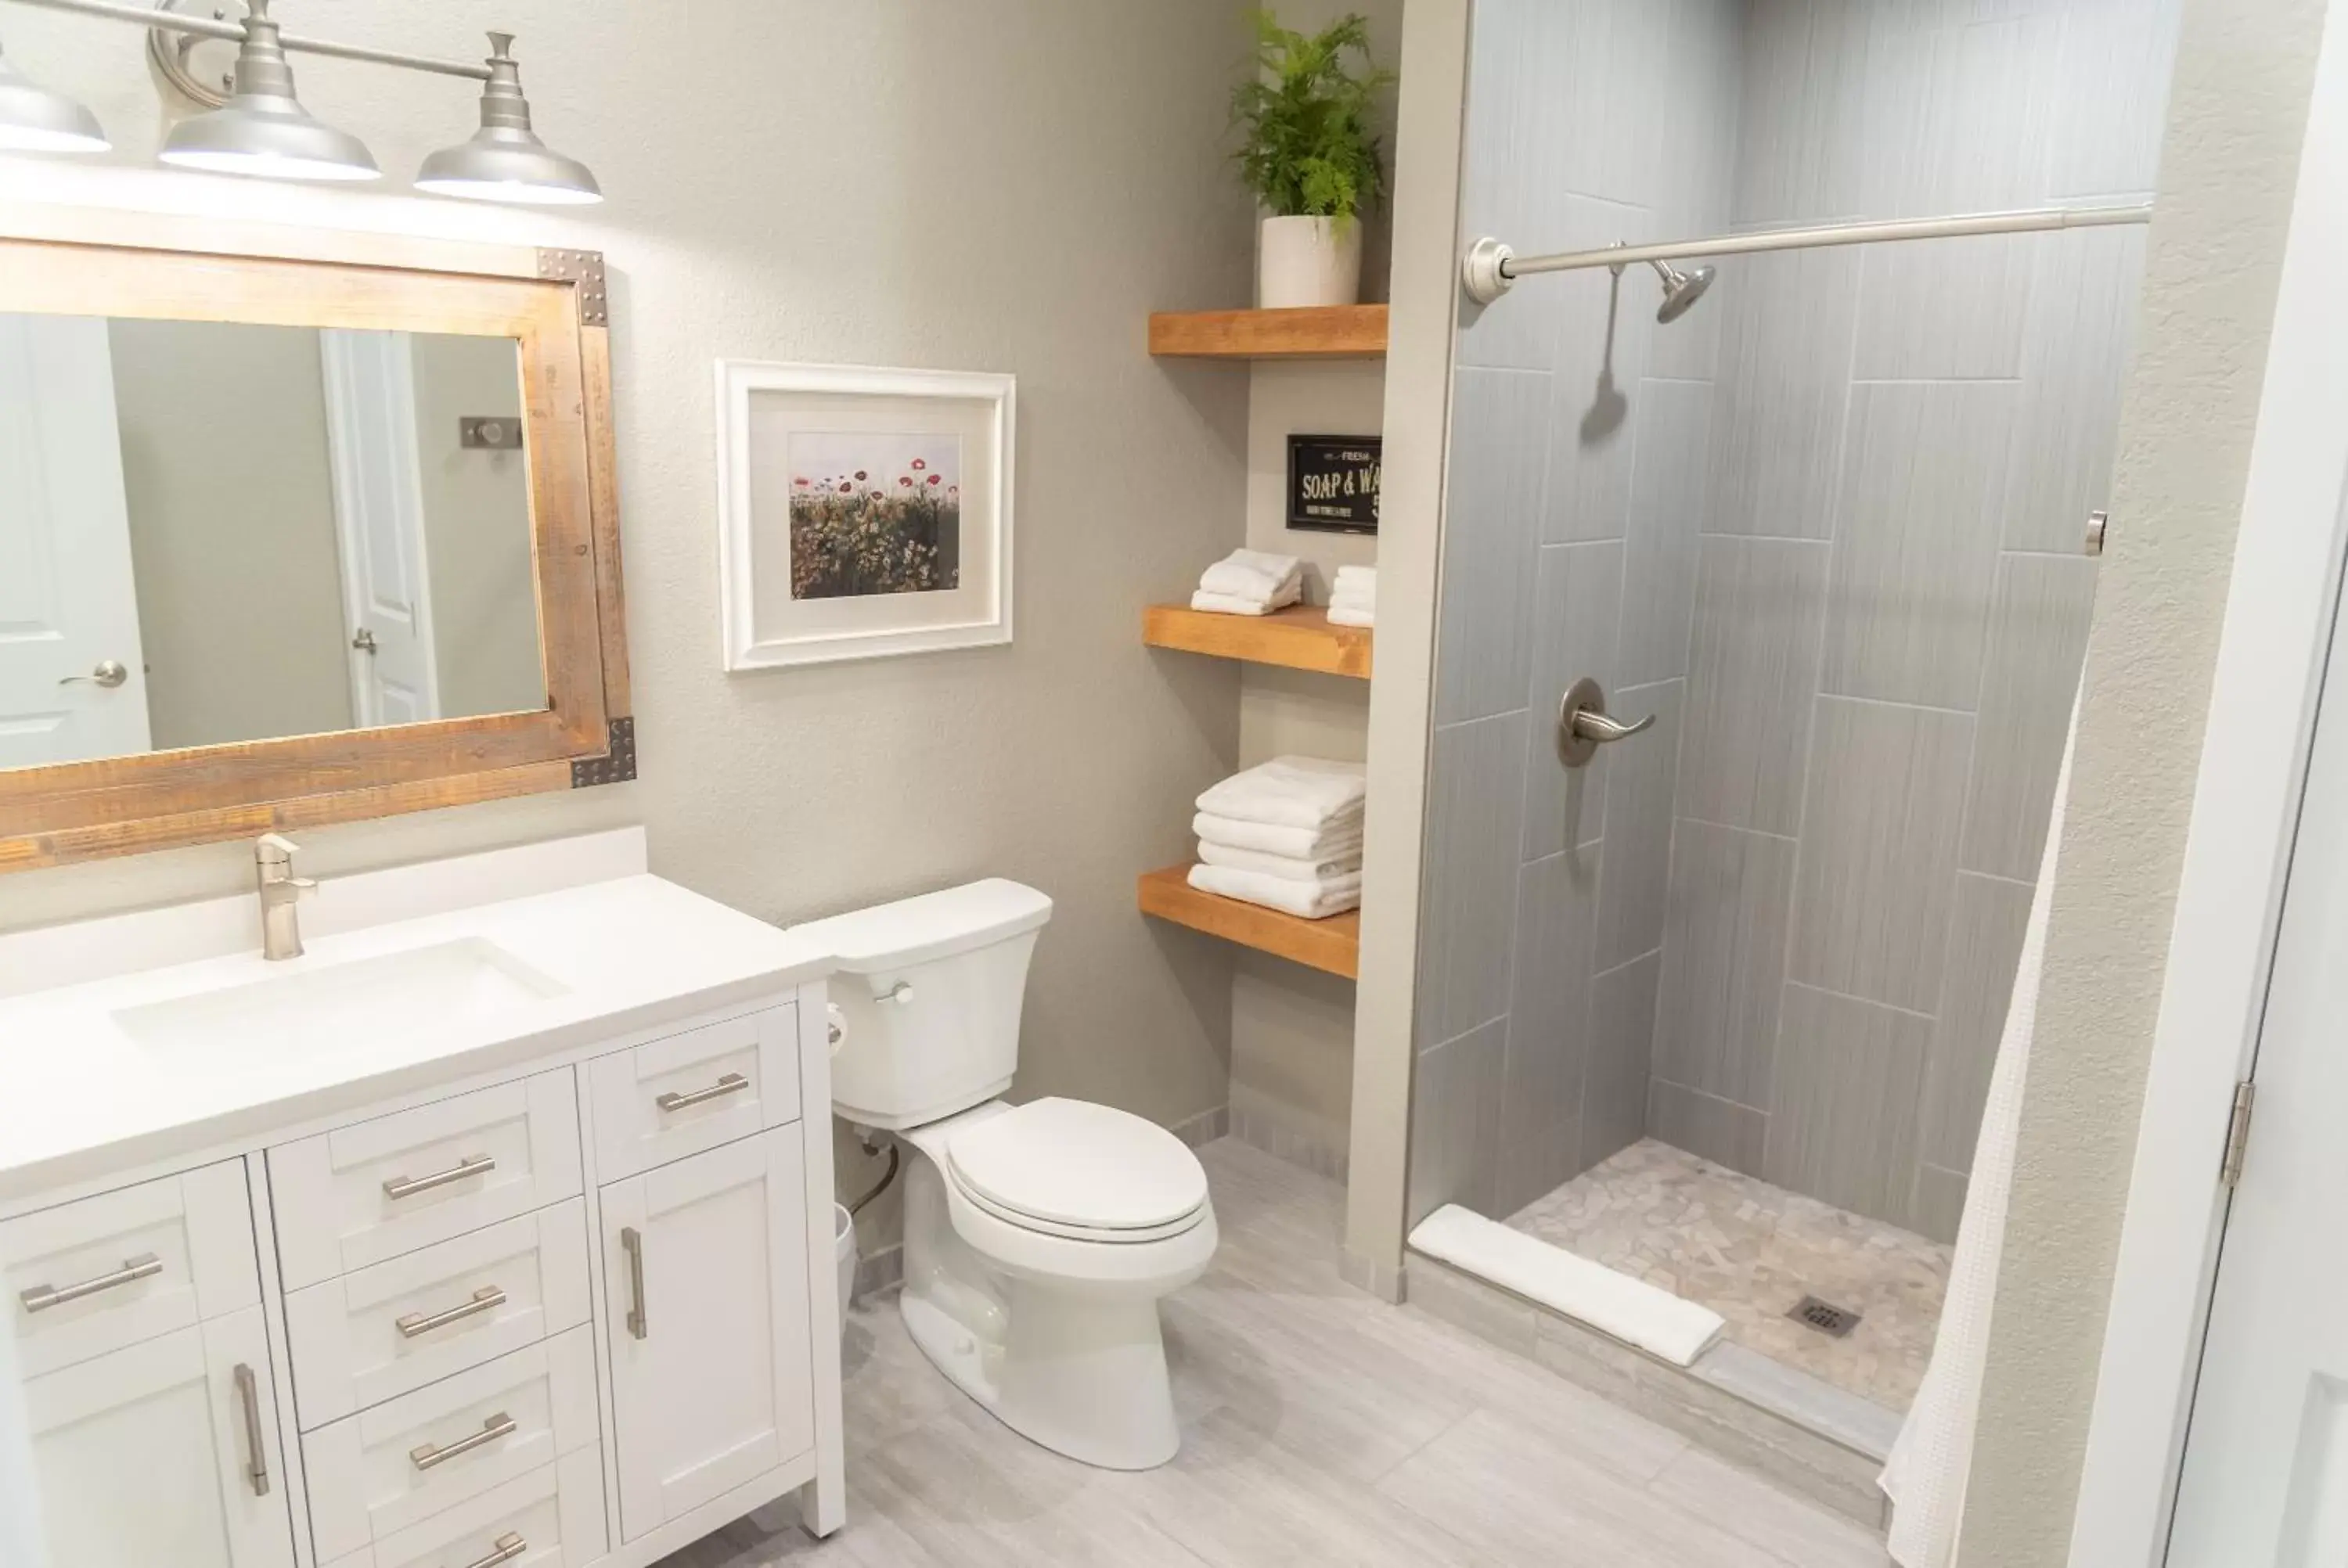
929,991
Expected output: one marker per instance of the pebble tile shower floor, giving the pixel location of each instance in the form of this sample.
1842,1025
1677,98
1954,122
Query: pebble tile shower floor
1751,1251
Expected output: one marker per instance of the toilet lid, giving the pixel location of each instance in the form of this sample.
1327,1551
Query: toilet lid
1072,1162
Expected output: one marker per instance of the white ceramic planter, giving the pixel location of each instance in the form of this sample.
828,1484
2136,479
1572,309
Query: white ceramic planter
1308,262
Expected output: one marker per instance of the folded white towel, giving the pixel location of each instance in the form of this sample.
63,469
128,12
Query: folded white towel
1287,867
1273,838
1354,593
1346,615
1302,792
1309,900
1365,576
1231,604
1255,574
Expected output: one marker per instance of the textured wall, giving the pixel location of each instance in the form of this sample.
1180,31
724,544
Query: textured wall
1011,188
1891,602
475,530
1577,473
2237,112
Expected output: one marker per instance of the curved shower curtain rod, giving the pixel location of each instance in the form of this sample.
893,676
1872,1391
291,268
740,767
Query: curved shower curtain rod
1489,268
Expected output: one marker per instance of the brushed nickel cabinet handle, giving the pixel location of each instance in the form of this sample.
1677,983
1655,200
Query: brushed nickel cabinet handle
631,1242
489,1298
248,1394
405,1187
731,1084
505,1549
497,1426
41,1297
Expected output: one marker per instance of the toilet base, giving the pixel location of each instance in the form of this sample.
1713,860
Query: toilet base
1076,1366
1086,1379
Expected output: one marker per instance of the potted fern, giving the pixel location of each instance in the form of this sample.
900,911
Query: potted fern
1309,154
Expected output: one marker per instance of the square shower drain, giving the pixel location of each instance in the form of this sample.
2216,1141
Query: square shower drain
1825,1317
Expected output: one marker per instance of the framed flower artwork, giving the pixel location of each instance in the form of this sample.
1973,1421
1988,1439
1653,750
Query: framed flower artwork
864,512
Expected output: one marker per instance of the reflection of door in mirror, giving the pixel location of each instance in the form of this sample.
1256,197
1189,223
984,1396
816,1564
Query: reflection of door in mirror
73,684
370,382
214,532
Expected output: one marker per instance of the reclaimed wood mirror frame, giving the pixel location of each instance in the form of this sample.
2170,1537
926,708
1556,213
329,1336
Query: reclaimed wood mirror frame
98,262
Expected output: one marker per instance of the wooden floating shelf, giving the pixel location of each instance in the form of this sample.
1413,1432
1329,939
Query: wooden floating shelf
1301,638
1333,945
1319,331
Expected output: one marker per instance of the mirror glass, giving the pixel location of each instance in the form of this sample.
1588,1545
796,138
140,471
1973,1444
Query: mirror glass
221,531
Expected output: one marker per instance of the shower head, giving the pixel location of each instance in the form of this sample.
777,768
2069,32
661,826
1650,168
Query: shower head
1681,290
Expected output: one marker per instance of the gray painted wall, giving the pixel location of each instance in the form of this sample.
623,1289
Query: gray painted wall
1830,536
224,465
1891,603
1577,474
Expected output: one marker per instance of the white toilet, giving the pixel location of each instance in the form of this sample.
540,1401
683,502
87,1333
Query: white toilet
1038,1238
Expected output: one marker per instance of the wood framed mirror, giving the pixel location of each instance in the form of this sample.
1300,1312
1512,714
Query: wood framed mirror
296,527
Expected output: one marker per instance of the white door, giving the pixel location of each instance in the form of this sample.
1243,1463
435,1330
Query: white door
705,1274
165,1452
2266,1461
73,684
370,379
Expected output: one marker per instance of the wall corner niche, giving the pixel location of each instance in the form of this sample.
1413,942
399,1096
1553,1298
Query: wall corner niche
280,589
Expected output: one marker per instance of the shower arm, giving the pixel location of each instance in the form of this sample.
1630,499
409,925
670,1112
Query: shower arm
1489,268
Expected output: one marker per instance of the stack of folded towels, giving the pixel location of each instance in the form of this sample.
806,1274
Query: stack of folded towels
1286,835
1354,602
1250,582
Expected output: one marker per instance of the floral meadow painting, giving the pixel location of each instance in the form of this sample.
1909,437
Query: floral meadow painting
874,513
863,512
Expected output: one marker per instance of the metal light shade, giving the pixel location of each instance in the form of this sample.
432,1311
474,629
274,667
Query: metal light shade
34,119
504,160
261,130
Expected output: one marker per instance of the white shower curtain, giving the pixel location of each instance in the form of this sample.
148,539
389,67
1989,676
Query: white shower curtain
1930,1463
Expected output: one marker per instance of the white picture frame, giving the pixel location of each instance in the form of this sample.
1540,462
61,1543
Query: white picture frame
789,436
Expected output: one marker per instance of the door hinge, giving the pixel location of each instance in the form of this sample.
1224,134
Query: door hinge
2238,1134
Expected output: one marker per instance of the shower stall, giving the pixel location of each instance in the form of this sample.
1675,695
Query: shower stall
1802,530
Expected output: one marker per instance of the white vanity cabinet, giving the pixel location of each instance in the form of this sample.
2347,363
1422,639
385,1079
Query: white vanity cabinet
576,1315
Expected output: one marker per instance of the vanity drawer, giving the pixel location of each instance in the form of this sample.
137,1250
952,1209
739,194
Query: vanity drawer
363,1194
556,1512
87,1277
385,1331
720,1082
391,1468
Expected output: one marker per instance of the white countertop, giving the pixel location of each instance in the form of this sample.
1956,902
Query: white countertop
82,1095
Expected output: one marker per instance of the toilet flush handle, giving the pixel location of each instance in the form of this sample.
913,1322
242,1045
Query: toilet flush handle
902,993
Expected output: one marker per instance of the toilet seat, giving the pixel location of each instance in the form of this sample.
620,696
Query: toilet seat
1070,1168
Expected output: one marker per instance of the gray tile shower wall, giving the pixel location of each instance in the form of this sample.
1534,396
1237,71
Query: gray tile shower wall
1825,526
1892,606
1581,487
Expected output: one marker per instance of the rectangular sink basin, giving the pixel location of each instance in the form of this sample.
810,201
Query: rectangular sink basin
341,1009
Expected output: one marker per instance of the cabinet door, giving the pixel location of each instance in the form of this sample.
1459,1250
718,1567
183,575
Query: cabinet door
707,1273
166,1453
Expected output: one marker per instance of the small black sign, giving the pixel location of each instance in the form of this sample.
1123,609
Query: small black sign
1333,483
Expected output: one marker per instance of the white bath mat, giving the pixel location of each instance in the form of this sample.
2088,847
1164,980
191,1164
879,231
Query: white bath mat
1614,1303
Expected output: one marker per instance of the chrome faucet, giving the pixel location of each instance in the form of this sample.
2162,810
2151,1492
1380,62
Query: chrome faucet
281,891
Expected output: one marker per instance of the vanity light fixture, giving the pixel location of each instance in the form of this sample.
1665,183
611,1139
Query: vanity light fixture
263,129
34,119
504,160
260,128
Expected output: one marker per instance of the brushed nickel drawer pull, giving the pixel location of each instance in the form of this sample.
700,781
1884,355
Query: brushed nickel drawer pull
631,1242
248,1394
475,1165
41,1297
732,1083
497,1426
508,1546
489,1298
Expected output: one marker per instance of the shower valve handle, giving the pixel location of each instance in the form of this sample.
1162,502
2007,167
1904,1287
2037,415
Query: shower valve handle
1582,724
